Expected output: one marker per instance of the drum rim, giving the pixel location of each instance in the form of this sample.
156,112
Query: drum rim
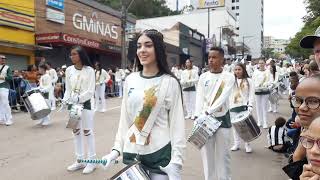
126,168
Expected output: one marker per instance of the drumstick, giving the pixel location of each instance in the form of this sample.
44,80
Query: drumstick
95,161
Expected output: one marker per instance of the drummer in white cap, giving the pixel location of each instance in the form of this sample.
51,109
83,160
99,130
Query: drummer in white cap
5,77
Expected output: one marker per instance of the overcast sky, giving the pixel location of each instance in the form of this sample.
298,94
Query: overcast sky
282,18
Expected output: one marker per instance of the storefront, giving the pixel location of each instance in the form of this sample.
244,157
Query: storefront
17,39
65,23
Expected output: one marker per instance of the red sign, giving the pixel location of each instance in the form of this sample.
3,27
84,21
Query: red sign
74,40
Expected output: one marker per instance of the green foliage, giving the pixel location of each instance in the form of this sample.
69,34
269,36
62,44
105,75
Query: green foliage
267,53
294,49
313,10
143,8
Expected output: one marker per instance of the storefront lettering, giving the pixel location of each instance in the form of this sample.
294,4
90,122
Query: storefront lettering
81,41
94,26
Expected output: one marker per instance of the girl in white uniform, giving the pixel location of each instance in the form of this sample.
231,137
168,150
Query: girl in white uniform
241,99
80,84
45,86
151,127
261,80
274,78
189,79
101,78
54,78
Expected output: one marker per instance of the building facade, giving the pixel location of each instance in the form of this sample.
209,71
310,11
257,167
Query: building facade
17,28
250,24
278,45
221,30
65,23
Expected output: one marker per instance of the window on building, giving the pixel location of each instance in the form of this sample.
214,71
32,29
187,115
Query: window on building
237,0
237,14
233,1
237,7
233,8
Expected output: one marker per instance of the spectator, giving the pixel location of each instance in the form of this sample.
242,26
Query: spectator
277,139
32,75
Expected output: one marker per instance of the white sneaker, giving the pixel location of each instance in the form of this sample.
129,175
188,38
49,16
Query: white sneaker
187,117
248,148
76,166
275,111
235,148
259,124
265,126
102,110
192,118
269,110
89,169
45,123
9,122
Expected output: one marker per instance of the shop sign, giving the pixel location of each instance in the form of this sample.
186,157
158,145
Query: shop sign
58,4
48,38
80,41
210,3
55,16
16,19
95,25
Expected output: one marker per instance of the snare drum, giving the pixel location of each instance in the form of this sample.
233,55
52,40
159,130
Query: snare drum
75,113
246,126
134,171
274,96
36,104
262,90
203,130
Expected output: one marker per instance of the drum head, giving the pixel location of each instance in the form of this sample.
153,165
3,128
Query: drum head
241,116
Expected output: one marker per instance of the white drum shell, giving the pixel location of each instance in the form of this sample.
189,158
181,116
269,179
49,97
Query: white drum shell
36,105
132,172
246,126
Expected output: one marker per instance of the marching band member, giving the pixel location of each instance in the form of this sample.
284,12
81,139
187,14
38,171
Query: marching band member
152,102
176,71
80,84
119,77
5,77
241,99
189,79
274,84
101,77
45,86
261,79
213,91
54,77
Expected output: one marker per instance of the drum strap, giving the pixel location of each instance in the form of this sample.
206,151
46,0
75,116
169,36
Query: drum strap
2,68
141,137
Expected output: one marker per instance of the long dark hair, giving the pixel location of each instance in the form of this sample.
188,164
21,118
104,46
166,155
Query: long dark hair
160,52
274,70
84,58
245,74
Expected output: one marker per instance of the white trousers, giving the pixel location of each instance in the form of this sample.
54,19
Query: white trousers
190,101
154,176
47,118
216,157
5,110
261,108
120,90
52,99
236,138
86,124
273,107
100,98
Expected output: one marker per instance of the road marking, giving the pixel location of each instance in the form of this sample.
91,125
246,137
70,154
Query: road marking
113,108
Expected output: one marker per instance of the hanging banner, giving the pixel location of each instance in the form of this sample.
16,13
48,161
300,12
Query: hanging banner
202,4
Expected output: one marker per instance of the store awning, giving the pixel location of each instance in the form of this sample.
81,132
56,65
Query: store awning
23,46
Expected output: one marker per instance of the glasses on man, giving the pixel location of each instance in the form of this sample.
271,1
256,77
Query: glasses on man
311,102
308,142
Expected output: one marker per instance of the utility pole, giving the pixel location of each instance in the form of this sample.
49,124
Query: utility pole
208,23
243,37
124,12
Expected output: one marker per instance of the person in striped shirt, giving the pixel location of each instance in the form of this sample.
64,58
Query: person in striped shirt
277,139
